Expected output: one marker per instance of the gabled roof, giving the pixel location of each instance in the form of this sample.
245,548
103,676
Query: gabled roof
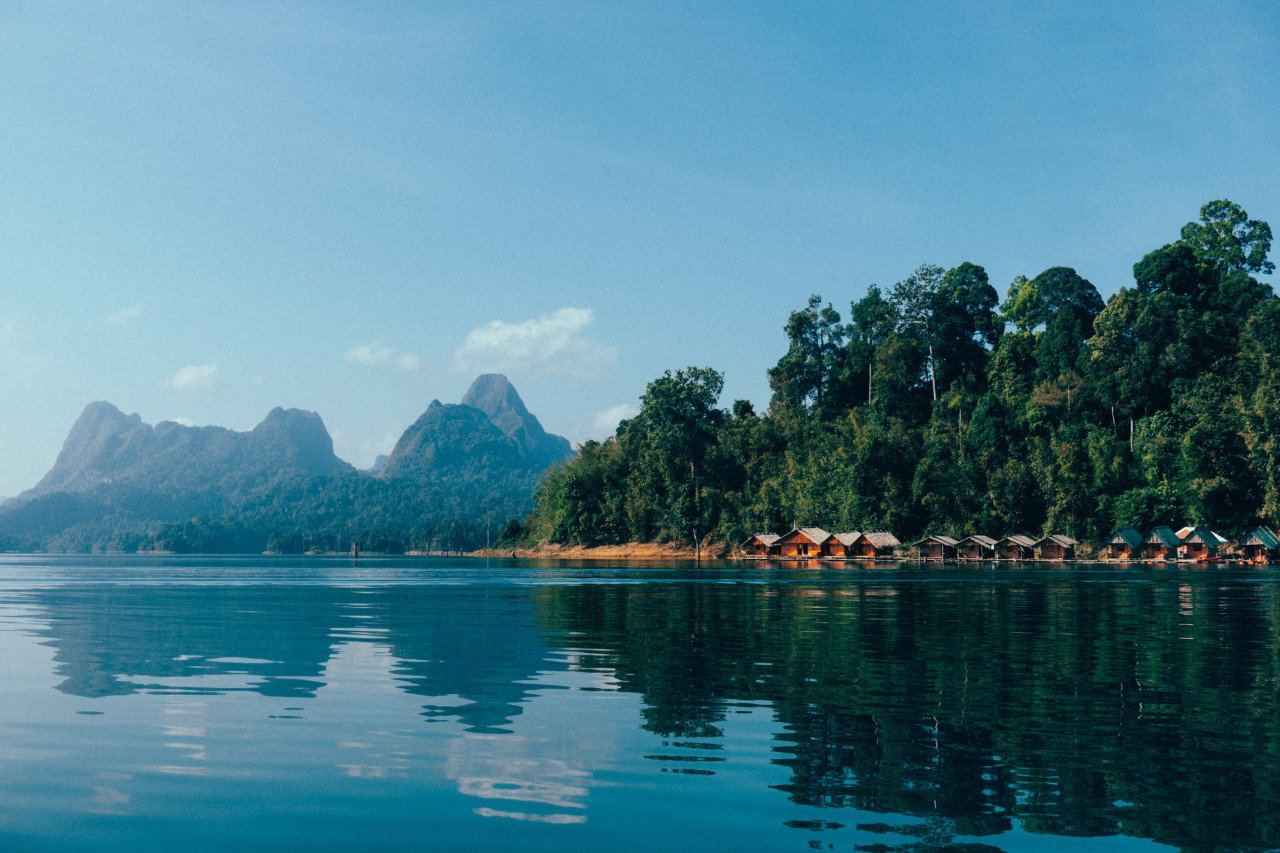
940,539
1266,538
847,539
1163,536
881,539
1019,539
1205,535
816,535
1057,539
765,538
1126,536
984,541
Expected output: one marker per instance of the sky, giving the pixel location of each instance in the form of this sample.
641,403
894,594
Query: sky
211,209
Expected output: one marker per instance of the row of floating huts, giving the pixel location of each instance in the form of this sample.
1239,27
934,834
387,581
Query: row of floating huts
814,543
1192,543
1260,545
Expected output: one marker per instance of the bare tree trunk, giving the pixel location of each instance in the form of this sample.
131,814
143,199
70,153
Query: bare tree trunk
933,374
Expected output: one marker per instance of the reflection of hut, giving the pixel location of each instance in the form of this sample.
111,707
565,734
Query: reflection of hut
1199,543
1160,544
1261,546
803,542
838,545
936,548
976,547
875,544
1016,547
1055,547
762,545
1124,544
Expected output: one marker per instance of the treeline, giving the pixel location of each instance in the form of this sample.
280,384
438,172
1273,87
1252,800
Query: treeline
454,510
938,408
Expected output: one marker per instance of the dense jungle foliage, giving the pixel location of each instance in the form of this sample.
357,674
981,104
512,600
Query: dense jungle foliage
938,408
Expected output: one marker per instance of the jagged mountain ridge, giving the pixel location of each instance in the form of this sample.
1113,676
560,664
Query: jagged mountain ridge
491,426
121,484
106,446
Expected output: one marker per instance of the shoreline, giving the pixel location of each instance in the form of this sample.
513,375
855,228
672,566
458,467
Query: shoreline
629,551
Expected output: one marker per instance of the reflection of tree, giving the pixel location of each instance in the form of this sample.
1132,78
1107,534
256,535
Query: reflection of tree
1077,708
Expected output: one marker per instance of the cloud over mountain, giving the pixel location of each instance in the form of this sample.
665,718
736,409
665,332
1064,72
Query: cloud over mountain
377,353
554,344
194,376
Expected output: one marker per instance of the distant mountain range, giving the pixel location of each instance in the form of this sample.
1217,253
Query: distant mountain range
121,484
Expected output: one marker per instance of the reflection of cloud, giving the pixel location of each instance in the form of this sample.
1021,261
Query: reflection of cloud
124,315
194,376
500,767
554,344
536,818
378,353
606,422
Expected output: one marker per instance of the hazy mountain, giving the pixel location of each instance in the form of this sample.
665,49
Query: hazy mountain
494,395
121,484
105,446
490,429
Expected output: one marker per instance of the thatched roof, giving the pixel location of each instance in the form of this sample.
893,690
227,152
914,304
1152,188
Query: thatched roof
985,541
881,539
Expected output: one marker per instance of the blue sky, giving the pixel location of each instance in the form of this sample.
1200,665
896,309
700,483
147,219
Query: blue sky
209,209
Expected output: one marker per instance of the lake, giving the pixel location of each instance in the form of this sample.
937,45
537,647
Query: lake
319,703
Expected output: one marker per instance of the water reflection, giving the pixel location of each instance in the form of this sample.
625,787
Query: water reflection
1072,708
902,710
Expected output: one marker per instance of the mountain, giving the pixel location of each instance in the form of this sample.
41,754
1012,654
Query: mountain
105,446
490,428
494,395
121,485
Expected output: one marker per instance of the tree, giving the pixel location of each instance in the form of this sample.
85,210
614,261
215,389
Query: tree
804,376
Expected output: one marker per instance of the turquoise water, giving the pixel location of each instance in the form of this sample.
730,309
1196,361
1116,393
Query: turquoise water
201,703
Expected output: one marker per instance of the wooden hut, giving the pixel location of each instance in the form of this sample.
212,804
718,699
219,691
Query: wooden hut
875,545
936,548
1124,544
838,545
762,545
1055,547
1016,547
1261,546
1160,544
803,543
976,547
1199,543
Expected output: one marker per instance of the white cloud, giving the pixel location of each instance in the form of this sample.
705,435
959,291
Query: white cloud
124,315
605,423
378,353
194,376
551,345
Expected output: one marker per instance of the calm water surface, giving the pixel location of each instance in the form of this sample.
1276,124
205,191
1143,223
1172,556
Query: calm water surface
170,703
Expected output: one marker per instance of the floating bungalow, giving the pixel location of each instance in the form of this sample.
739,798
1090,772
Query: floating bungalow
874,545
1124,544
1160,544
837,547
1055,547
1260,546
976,547
1199,543
936,548
762,545
803,543
1016,547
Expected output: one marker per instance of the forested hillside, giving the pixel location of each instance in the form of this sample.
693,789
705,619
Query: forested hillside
936,407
